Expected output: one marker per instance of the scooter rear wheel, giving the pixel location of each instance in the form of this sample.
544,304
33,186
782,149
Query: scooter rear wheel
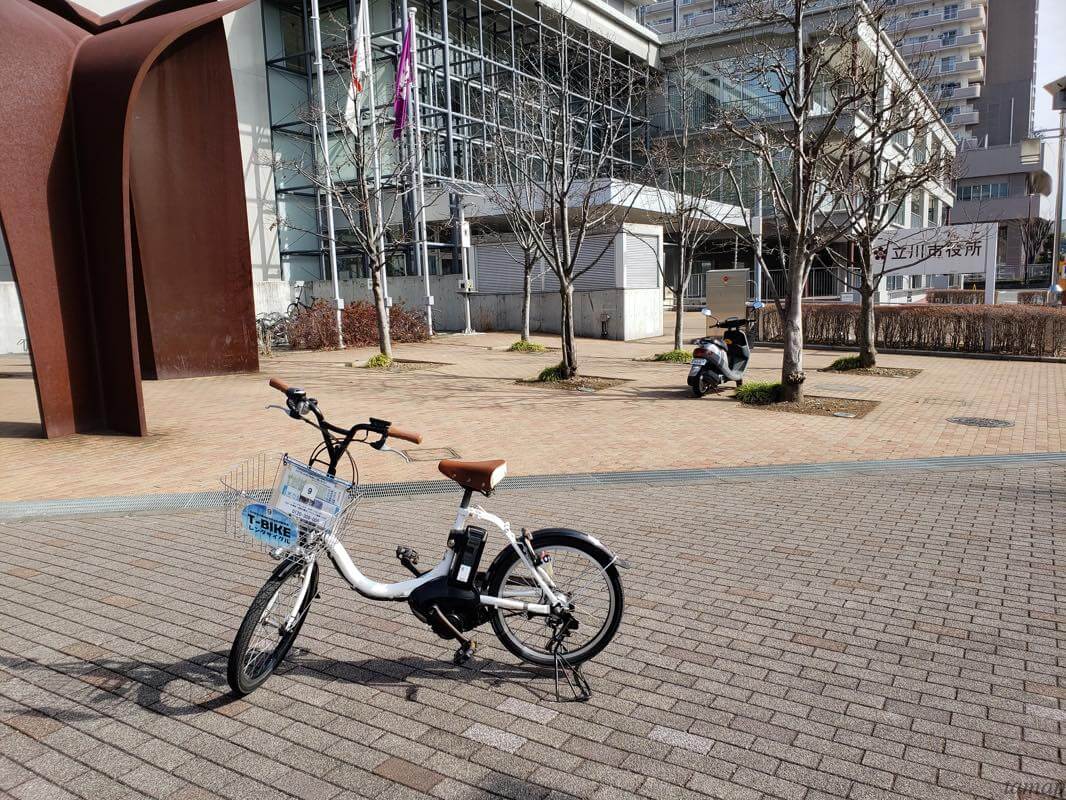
701,385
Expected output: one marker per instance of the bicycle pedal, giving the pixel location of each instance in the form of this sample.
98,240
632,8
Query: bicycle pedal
409,558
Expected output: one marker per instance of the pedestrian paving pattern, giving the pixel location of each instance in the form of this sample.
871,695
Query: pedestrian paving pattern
871,637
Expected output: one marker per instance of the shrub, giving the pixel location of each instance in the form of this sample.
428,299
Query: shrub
553,373
315,328
955,296
1012,329
845,363
526,347
760,393
380,361
674,356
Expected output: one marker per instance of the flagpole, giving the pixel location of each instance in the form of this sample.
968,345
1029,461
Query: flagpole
377,149
324,138
418,175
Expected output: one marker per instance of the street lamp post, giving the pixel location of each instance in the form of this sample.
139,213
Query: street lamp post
1057,89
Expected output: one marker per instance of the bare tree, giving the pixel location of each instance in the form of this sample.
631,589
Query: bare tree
370,204
788,104
896,152
678,168
1035,233
555,145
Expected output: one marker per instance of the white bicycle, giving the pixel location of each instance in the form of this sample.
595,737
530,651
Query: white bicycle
553,597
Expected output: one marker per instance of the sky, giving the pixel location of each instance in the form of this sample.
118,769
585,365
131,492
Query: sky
1050,56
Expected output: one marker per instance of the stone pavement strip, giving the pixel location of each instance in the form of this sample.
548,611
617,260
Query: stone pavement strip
869,637
199,427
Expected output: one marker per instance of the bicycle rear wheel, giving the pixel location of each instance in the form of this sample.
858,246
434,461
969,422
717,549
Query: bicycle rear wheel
264,639
584,573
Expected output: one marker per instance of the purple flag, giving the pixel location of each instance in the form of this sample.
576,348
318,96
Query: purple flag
404,81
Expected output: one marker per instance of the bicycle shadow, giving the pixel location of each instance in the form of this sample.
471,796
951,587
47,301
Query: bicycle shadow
395,675
197,685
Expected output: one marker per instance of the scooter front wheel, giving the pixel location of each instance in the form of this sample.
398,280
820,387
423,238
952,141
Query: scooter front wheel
265,638
584,573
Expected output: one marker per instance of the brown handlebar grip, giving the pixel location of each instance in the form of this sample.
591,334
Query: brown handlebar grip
280,385
407,436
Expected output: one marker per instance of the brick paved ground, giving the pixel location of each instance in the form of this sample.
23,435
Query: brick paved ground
894,636
200,427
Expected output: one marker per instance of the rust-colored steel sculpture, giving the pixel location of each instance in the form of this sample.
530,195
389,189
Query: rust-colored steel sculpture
122,202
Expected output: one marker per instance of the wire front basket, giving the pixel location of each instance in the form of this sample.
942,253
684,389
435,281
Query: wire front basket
284,507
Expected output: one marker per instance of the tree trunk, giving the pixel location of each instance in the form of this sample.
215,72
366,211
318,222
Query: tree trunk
679,316
566,297
384,334
527,290
792,375
867,332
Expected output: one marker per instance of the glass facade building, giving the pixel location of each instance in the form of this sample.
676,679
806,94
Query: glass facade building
474,58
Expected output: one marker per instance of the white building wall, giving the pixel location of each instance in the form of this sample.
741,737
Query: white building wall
244,35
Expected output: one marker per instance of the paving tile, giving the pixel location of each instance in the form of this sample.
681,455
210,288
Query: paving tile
757,674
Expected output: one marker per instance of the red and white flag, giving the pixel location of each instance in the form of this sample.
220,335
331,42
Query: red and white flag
360,67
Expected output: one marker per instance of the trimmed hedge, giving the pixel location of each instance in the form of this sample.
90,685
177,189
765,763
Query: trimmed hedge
1013,330
315,328
955,297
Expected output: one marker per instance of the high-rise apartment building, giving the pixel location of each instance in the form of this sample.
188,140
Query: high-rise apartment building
945,43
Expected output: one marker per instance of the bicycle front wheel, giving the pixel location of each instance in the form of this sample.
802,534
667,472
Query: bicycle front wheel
584,573
270,627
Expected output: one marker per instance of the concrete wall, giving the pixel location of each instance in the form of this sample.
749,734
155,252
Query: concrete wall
12,333
272,297
634,313
244,35
499,312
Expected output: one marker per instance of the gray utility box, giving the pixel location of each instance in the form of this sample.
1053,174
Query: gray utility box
727,295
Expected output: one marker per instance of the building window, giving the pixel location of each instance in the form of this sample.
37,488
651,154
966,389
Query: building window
951,11
916,209
933,214
947,64
949,113
948,89
948,38
985,191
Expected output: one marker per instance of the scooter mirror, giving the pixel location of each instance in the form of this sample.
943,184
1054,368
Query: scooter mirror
706,312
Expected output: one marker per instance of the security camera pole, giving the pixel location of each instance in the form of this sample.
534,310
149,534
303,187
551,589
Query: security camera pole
1057,89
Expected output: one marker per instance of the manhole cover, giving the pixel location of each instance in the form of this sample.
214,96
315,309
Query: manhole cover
431,453
981,422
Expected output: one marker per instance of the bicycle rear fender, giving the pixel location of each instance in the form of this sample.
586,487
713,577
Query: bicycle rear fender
603,555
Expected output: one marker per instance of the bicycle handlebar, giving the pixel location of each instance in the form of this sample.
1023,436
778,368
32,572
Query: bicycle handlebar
407,436
303,404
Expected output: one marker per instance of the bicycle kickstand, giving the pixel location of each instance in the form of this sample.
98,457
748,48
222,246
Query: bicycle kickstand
575,680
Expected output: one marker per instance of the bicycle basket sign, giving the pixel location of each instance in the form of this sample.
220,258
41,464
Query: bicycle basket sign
310,497
268,525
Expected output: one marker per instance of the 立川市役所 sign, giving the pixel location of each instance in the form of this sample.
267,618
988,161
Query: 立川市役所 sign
950,249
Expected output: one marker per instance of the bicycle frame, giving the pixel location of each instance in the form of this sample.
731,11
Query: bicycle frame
336,441
376,590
